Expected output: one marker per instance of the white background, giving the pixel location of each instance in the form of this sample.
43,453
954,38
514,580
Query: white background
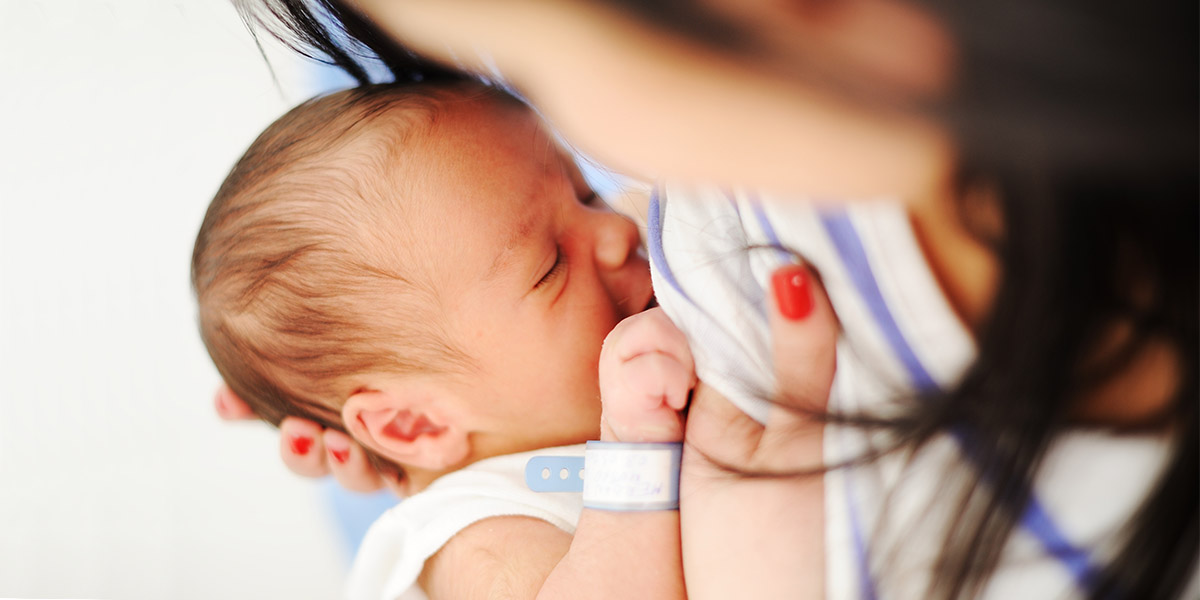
118,120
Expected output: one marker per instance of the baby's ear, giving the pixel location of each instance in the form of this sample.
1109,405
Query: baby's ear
406,428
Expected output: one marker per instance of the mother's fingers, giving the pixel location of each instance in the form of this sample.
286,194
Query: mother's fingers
803,338
302,448
804,334
229,406
719,434
349,465
309,450
300,443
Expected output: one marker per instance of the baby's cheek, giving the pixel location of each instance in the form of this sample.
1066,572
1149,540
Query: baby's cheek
585,405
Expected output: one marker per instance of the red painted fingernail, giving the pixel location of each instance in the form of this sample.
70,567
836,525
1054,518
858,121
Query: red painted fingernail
793,294
301,445
341,456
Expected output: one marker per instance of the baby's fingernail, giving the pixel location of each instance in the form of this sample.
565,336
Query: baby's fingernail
793,294
300,444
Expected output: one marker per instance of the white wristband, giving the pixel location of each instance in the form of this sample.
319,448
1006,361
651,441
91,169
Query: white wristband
628,476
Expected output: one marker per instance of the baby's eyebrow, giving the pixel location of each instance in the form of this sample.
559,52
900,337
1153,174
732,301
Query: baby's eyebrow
503,262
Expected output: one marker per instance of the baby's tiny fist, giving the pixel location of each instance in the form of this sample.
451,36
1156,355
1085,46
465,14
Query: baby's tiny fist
646,375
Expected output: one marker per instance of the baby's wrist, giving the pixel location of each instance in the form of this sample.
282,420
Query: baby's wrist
641,433
613,476
632,476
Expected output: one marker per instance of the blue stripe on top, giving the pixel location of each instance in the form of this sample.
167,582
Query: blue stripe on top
654,244
1035,518
850,248
1077,561
784,254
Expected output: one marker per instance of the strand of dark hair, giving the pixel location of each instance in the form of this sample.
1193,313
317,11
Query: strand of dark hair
332,33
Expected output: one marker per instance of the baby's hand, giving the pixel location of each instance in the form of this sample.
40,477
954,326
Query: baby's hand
646,374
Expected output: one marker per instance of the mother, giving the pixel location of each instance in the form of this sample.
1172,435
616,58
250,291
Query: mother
1046,154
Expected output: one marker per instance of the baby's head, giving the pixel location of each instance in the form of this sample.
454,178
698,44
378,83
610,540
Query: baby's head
420,266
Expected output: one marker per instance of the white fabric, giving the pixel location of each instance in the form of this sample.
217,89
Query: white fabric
716,248
711,241
394,551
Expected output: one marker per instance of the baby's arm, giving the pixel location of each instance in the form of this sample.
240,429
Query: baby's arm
646,373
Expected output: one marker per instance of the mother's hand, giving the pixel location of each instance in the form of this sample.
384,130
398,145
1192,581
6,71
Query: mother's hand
747,533
310,450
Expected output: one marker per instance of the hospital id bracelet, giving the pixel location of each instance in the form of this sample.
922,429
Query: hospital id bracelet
627,476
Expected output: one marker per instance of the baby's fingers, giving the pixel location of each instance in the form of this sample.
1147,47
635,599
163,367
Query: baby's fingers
642,404
656,380
645,332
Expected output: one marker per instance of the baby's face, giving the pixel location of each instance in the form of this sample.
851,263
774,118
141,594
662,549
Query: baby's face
530,271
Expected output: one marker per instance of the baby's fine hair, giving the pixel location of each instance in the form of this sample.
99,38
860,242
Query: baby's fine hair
297,267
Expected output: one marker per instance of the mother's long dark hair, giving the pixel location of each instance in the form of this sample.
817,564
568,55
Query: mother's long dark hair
1087,132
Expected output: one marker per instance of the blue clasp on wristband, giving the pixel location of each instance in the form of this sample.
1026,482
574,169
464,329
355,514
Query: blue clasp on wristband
554,473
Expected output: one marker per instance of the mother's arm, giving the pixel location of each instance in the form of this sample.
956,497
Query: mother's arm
664,106
310,450
763,537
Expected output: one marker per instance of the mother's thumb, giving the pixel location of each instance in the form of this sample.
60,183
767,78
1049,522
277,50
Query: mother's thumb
804,333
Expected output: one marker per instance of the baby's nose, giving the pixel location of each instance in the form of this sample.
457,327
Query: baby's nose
616,239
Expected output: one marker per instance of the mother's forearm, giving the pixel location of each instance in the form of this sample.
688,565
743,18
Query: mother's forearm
743,536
